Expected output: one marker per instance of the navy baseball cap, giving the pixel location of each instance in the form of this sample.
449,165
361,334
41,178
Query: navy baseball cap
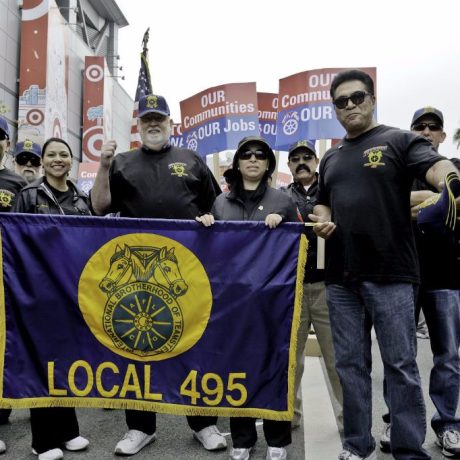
153,104
27,146
302,144
427,111
4,127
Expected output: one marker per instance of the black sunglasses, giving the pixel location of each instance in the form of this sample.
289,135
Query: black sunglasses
297,158
356,98
423,126
3,136
22,160
259,154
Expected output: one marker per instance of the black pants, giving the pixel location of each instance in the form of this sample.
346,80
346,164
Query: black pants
244,433
52,426
4,415
147,421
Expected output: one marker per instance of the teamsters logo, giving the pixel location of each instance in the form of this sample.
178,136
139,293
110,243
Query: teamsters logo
152,102
374,156
157,296
28,144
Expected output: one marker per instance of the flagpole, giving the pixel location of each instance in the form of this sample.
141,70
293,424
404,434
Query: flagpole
144,87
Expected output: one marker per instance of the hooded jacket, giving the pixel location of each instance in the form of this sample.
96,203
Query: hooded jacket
230,206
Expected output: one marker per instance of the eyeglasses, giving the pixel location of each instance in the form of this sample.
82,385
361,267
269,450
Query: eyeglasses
259,154
3,136
357,98
423,126
22,160
297,158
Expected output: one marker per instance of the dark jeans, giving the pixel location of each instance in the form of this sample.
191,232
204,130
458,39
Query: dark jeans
52,426
244,433
147,421
353,309
442,314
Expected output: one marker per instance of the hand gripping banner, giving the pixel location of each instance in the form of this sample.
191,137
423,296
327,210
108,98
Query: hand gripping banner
157,315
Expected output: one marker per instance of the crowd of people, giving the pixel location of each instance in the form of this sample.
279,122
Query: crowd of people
364,200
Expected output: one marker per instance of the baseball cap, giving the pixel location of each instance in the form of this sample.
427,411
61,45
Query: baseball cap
242,145
427,110
4,127
27,146
302,144
153,104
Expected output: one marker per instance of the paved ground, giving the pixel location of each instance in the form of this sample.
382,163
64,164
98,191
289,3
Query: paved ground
175,442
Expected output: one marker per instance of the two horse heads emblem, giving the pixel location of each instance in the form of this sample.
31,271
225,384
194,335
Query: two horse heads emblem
147,264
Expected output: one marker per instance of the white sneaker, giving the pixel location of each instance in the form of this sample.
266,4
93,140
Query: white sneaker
2,447
133,441
449,442
276,453
385,438
211,438
347,455
78,443
240,454
53,454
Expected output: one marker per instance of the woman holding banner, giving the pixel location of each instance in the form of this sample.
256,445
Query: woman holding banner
252,198
54,428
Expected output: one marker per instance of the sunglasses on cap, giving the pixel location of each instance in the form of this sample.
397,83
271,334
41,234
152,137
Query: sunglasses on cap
357,98
259,154
430,126
23,159
305,157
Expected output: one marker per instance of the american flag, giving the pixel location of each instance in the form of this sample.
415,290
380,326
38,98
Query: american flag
144,86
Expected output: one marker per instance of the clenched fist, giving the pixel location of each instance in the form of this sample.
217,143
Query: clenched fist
107,153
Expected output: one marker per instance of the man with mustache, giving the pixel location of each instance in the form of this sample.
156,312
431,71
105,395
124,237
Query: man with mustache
159,181
302,162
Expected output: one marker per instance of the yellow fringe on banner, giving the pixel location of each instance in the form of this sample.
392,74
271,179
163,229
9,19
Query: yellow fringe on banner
301,262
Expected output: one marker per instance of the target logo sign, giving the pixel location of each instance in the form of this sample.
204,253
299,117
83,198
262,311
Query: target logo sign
93,139
35,117
94,73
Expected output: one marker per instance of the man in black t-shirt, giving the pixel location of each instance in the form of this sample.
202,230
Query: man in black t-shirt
157,180
372,269
439,298
10,182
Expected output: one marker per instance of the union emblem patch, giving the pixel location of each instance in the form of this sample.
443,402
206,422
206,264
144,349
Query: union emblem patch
147,301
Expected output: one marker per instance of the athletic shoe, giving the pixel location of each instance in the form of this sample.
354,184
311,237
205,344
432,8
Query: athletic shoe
133,441
422,332
211,438
385,438
240,454
449,442
78,443
53,454
276,453
347,455
2,447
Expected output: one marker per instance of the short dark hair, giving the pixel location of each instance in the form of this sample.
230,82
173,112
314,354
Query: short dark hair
348,75
55,139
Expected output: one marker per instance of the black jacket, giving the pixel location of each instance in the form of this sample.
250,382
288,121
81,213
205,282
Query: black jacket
306,201
229,206
37,198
